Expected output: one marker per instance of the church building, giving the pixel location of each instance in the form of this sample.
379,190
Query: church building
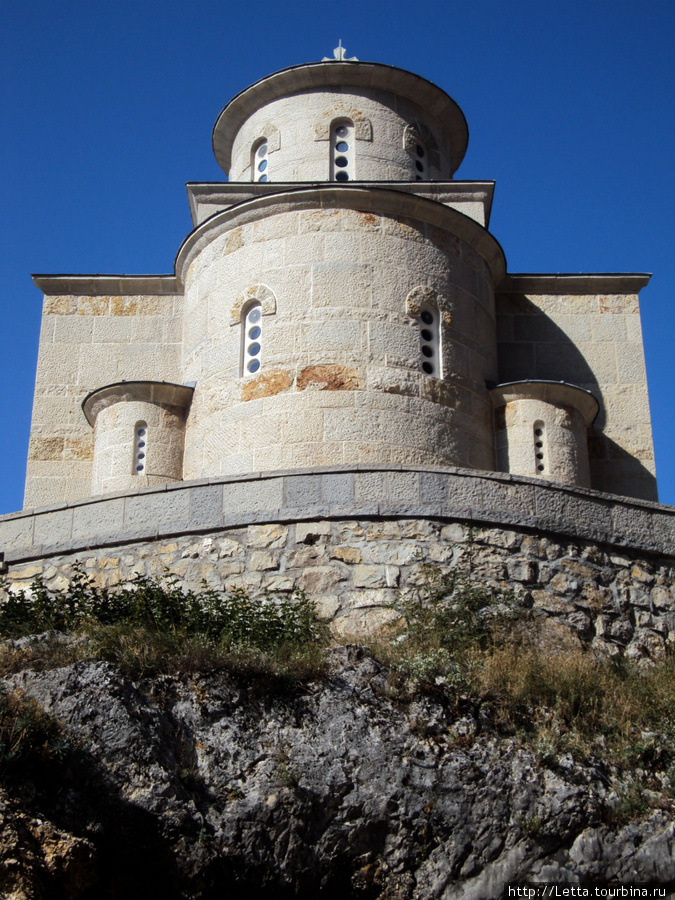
340,301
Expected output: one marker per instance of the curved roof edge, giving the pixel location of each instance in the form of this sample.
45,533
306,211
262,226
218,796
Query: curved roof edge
381,201
550,392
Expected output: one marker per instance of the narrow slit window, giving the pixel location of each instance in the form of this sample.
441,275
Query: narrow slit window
140,448
421,161
251,349
539,442
430,341
342,151
260,161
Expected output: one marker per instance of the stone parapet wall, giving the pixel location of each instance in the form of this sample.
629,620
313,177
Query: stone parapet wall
341,492
352,538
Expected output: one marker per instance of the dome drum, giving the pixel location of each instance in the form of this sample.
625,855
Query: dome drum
345,371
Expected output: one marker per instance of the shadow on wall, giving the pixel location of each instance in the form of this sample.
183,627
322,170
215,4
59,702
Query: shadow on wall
531,346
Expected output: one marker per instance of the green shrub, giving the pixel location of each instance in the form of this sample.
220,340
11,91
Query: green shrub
149,625
163,607
445,621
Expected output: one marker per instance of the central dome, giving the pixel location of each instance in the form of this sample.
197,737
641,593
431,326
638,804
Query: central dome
404,127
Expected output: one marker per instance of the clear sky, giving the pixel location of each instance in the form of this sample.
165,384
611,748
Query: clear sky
107,110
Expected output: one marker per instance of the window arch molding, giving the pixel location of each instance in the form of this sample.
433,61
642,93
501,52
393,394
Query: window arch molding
270,138
363,128
139,463
251,339
257,292
260,160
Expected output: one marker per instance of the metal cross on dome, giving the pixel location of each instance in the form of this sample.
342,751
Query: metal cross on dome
339,55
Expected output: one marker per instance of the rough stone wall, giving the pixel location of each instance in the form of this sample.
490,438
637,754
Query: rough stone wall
341,376
355,570
87,342
595,342
300,125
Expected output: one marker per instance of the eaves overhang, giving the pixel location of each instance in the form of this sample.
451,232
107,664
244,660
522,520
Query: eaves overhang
107,285
591,283
166,392
206,198
557,392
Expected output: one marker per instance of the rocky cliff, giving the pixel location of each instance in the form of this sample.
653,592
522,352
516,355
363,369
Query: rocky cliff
211,786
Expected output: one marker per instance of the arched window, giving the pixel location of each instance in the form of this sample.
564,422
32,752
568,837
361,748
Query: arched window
539,441
421,158
421,146
430,344
140,448
260,161
251,339
342,150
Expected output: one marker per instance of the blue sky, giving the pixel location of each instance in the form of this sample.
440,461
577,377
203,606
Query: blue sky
107,111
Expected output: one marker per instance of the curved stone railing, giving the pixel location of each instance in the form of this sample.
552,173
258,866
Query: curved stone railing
342,492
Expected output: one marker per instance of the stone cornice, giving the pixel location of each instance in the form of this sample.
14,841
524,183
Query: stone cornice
373,76
379,201
598,283
226,194
556,392
107,285
164,392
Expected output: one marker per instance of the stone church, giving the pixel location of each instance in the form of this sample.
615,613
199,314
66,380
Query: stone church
339,338
339,301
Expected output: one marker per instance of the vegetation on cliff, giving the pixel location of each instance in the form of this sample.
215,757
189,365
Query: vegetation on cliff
230,723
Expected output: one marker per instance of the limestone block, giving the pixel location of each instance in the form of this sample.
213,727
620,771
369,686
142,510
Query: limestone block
375,576
317,580
368,597
16,533
369,487
268,536
267,495
311,532
278,583
263,560
311,555
100,518
349,555
399,553
53,529
337,489
166,511
301,490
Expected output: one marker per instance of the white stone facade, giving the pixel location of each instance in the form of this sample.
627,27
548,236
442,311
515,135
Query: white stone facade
347,242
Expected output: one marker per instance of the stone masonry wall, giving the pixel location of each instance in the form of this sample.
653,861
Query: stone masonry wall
87,342
355,569
595,342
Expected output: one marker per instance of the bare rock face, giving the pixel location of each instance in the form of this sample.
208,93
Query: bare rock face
203,786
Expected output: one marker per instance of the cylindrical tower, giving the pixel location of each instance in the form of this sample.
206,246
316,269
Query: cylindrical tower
350,319
542,430
139,429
